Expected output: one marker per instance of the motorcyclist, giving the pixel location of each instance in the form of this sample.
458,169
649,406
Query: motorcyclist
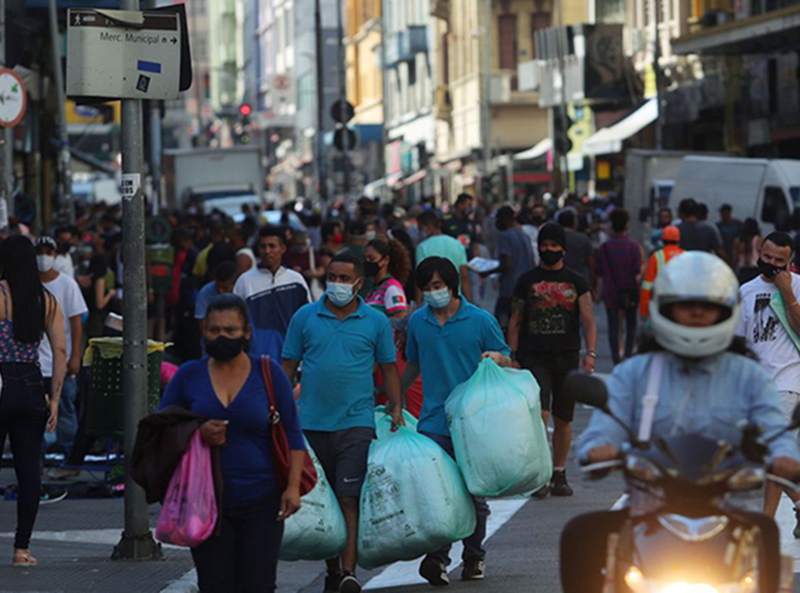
707,386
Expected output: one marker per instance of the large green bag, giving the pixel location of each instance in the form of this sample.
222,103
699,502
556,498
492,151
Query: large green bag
499,438
413,501
317,531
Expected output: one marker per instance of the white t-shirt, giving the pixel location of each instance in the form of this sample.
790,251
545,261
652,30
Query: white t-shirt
68,294
765,335
64,265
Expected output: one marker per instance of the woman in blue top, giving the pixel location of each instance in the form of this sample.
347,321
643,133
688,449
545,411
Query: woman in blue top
228,389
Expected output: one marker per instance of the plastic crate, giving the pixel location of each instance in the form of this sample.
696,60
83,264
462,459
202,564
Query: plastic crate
105,416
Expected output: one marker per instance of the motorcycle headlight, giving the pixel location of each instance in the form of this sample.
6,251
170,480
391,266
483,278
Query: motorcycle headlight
642,469
747,478
637,583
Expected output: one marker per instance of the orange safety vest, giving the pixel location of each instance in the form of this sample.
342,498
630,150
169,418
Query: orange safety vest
657,261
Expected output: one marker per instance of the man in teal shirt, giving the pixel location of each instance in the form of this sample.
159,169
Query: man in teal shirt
441,245
339,339
447,339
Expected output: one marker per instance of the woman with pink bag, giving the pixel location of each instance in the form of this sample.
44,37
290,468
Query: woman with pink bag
227,386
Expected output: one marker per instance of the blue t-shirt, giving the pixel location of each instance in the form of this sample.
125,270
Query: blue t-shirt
204,296
448,355
516,244
246,459
338,357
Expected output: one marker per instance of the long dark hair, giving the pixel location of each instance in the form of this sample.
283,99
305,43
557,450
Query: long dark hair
399,262
18,268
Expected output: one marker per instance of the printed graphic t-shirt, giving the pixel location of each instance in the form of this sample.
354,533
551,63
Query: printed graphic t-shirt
551,316
765,335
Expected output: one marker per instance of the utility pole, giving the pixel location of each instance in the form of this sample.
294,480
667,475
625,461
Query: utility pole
659,81
343,96
137,541
486,104
6,163
65,201
563,47
319,152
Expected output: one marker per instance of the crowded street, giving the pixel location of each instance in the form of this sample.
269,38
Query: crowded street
332,296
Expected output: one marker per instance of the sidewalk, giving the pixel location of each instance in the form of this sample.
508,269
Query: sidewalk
73,542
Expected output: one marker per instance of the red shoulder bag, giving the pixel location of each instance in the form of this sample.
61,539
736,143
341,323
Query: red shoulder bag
281,454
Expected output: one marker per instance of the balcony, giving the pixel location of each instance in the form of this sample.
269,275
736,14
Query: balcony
403,46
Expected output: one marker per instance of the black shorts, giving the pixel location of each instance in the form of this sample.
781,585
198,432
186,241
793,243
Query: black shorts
343,455
550,370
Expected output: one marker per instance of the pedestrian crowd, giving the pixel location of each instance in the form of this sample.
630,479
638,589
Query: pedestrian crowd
355,306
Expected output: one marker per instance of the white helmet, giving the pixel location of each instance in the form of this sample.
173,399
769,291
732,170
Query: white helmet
695,276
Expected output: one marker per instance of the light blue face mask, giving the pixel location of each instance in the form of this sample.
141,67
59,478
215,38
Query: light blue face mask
437,299
340,294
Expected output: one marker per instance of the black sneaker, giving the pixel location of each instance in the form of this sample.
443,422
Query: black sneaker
332,581
542,492
474,570
349,584
558,485
434,571
796,531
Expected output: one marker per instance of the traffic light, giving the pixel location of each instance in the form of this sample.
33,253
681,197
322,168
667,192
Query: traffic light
561,140
242,126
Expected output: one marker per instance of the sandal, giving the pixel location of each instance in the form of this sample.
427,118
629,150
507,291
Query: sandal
23,559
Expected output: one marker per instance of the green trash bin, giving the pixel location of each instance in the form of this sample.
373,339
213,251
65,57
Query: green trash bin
104,413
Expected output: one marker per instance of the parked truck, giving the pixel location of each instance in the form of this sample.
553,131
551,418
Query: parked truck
218,179
650,177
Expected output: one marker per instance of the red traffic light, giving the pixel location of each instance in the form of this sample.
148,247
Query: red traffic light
245,109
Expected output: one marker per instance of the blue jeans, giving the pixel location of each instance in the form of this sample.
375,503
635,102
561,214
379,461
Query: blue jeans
473,545
67,415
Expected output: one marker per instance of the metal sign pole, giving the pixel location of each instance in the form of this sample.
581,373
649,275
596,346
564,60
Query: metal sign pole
65,201
137,541
6,164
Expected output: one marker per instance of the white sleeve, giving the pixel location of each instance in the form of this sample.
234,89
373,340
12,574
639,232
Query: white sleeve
741,329
74,303
240,288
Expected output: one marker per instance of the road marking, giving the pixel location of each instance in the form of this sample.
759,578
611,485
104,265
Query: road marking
106,537
401,574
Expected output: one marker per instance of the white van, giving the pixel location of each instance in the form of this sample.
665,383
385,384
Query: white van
765,189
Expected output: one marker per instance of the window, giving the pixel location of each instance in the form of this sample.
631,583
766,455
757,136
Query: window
775,209
508,45
539,21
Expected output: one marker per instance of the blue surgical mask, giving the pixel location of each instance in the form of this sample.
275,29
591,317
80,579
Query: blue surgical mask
437,299
340,294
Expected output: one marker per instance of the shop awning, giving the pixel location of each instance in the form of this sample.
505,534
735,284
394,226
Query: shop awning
610,140
536,151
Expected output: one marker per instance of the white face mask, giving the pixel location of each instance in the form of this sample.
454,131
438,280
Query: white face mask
45,263
339,293
371,235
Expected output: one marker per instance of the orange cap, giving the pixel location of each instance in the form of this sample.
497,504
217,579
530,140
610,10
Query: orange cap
671,234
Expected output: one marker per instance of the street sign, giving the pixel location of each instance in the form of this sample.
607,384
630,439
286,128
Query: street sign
342,111
345,139
123,54
13,98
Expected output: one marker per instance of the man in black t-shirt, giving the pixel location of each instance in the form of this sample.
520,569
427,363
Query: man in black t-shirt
550,304
459,226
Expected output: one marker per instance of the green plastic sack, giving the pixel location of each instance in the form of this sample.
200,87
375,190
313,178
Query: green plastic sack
381,427
413,501
498,435
317,531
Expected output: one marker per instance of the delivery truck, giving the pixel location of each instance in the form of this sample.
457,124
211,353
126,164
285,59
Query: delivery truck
214,178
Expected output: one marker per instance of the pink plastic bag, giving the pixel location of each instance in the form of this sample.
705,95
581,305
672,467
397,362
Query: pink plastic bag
189,514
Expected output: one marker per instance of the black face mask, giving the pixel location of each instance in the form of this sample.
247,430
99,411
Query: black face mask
769,270
224,349
371,268
537,220
551,258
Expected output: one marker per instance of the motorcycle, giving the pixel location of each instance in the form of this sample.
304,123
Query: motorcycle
680,535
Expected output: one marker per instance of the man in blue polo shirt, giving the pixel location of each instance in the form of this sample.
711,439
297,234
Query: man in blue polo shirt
339,339
447,339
